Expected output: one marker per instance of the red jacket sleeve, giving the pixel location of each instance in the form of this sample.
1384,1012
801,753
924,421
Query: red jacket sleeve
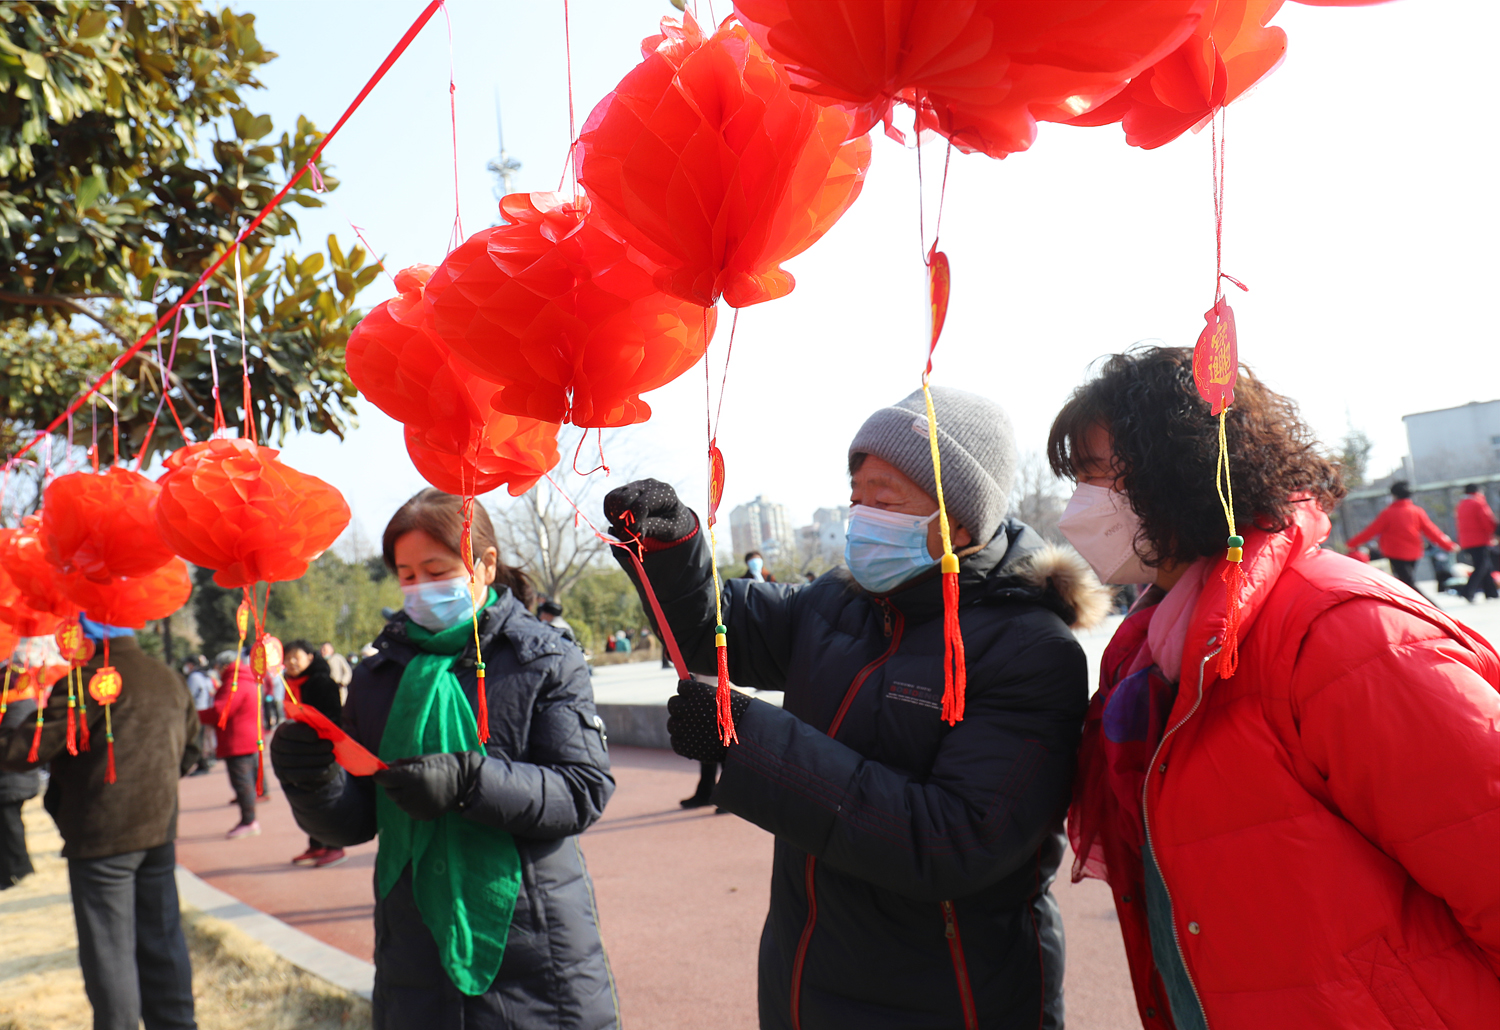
1403,721
1370,531
1437,536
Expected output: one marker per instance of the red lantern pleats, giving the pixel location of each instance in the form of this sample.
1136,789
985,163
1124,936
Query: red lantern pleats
511,451
981,74
565,317
1232,49
705,160
101,525
24,558
16,616
131,601
231,506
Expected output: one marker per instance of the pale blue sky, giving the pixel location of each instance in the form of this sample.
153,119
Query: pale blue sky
1360,211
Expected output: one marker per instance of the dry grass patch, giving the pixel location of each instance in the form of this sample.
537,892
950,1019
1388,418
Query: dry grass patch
238,983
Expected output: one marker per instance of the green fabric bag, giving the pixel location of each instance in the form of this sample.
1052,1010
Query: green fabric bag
465,875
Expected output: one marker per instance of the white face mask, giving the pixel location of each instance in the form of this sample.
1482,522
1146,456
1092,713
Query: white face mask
1101,526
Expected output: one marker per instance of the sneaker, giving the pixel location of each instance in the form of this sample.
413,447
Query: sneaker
309,857
250,829
696,801
330,856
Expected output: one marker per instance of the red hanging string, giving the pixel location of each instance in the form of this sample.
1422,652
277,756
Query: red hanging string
272,205
36,737
457,235
1234,577
83,709
71,735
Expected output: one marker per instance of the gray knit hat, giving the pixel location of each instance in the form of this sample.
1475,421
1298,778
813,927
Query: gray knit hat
976,444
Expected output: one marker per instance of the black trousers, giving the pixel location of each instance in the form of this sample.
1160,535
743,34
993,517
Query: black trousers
1482,577
15,860
130,943
242,780
1406,572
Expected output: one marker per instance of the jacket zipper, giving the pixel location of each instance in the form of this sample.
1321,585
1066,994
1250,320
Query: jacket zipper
894,632
1146,825
960,966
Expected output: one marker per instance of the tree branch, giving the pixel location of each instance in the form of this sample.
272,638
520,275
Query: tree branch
69,303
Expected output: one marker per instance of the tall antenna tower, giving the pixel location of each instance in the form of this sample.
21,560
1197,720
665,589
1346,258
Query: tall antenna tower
505,167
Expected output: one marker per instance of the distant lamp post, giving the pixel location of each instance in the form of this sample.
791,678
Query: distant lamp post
505,167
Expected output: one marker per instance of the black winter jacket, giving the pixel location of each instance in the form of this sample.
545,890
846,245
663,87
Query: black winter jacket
545,781
913,859
318,689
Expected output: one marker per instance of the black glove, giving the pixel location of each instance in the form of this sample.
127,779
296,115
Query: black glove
693,720
648,508
301,758
427,786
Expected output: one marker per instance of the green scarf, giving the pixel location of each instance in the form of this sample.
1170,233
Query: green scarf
465,875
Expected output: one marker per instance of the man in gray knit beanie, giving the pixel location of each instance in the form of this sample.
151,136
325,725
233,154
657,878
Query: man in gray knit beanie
975,443
913,855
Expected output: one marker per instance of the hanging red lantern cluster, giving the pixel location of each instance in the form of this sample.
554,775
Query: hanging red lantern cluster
981,74
131,600
230,505
565,317
101,526
455,437
707,161
24,558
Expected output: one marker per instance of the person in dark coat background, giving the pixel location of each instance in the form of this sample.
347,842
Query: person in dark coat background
119,837
16,788
309,678
910,885
484,912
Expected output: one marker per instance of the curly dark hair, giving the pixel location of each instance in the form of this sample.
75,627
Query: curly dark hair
1166,447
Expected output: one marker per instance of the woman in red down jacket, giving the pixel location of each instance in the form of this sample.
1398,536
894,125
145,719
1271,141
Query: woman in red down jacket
1311,838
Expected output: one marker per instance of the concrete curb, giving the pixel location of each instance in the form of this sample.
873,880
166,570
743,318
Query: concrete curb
300,949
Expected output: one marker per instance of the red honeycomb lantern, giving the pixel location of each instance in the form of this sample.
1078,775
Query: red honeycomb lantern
101,525
564,316
131,601
24,558
980,73
513,452
231,506
17,618
705,160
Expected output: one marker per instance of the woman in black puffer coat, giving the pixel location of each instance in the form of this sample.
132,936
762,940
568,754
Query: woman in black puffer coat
543,777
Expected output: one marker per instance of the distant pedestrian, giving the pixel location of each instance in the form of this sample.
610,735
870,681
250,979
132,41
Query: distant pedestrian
809,576
338,666
622,642
16,788
1401,525
308,680
202,686
1476,535
755,568
118,837
551,613
273,690
239,736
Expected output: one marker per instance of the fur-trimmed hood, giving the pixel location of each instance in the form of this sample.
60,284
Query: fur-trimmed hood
1063,571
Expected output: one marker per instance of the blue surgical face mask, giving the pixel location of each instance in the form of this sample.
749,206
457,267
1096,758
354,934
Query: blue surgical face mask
440,604
755,565
884,549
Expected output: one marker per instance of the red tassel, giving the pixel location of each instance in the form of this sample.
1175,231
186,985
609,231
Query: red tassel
260,771
72,731
109,770
1229,654
36,737
482,708
955,671
727,735
83,714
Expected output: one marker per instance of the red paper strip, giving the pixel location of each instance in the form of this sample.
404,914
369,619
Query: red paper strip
347,751
1216,357
939,282
715,482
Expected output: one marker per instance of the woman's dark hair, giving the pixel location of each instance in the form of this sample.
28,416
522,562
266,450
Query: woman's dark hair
300,644
1400,489
441,517
1166,448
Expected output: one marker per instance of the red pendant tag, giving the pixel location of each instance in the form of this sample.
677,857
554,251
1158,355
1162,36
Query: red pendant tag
69,638
1216,357
242,617
715,481
104,685
939,282
265,655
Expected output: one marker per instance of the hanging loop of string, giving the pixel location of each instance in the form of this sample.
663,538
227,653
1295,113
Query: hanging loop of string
715,466
1234,554
457,235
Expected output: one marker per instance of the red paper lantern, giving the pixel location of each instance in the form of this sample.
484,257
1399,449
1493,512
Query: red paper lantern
982,73
231,506
17,618
513,450
24,558
131,601
705,160
1231,50
9,638
564,316
101,525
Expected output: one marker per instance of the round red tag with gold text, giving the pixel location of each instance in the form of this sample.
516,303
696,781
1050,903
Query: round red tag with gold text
104,685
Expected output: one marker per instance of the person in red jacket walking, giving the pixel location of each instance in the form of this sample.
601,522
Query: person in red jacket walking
1401,527
239,735
1298,814
1476,533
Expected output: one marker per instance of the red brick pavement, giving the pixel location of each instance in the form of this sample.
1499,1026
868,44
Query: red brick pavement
681,898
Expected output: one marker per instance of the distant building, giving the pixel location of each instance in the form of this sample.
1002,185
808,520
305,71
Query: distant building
762,525
1453,443
829,524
